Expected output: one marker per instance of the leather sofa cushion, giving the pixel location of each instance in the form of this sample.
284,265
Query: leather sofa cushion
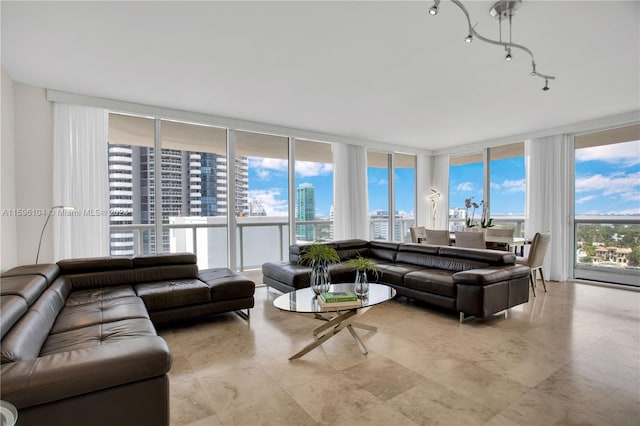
49,271
165,272
491,257
98,335
295,250
171,293
491,275
46,379
164,259
26,337
226,284
419,248
383,250
439,262
436,281
94,264
29,287
78,316
291,274
350,249
393,273
100,294
12,308
116,277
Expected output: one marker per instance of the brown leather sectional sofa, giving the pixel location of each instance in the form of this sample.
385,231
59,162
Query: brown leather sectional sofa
79,345
472,282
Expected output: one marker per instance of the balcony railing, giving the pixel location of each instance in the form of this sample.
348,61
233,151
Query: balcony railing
266,239
608,248
259,239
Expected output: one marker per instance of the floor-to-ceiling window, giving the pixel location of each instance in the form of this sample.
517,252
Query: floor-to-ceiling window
313,191
193,170
131,185
378,189
607,205
506,192
465,190
392,197
262,198
492,181
404,195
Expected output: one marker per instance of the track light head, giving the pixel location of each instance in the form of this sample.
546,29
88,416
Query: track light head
508,57
546,85
469,38
433,10
533,70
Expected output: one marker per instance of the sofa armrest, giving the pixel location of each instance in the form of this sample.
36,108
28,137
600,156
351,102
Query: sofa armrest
81,371
486,276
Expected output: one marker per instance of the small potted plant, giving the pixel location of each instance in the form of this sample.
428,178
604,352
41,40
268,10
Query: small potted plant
363,265
319,256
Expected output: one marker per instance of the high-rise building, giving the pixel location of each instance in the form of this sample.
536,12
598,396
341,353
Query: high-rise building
305,210
193,184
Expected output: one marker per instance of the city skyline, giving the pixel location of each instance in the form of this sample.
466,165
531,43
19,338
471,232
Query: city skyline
607,181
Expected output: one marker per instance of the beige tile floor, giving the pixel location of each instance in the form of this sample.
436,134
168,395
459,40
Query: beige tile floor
570,356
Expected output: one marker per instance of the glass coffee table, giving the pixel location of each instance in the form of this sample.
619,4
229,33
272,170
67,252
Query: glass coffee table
304,301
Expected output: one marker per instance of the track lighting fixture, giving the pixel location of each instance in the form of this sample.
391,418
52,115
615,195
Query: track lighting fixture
546,85
433,10
508,56
502,10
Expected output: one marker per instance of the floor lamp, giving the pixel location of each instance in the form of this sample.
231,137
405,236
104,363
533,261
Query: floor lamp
434,198
50,213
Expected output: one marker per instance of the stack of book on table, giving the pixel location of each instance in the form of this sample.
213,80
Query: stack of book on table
338,299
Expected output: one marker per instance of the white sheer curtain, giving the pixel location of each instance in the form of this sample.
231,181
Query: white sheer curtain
351,216
440,182
81,180
423,183
548,203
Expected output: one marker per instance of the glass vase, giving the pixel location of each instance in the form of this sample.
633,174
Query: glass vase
362,284
320,278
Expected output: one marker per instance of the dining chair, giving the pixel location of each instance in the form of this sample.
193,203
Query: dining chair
535,258
499,232
418,234
438,237
470,239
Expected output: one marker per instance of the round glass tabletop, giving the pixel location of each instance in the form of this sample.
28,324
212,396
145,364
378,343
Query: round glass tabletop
305,300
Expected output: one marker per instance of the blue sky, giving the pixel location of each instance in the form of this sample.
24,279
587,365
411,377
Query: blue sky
608,179
607,182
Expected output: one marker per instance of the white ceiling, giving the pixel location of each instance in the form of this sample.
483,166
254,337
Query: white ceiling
383,71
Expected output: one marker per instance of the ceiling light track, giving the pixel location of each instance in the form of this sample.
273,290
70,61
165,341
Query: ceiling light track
501,10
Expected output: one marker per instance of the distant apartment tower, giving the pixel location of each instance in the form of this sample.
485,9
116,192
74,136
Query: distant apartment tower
192,184
380,226
305,210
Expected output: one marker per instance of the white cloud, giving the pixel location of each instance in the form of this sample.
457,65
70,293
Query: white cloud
495,186
585,199
514,185
378,182
615,183
626,154
465,186
309,168
270,199
268,163
264,168
619,186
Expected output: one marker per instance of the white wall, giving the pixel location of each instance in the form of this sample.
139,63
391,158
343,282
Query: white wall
8,231
33,131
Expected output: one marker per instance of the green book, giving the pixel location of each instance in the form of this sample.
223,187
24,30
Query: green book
338,296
